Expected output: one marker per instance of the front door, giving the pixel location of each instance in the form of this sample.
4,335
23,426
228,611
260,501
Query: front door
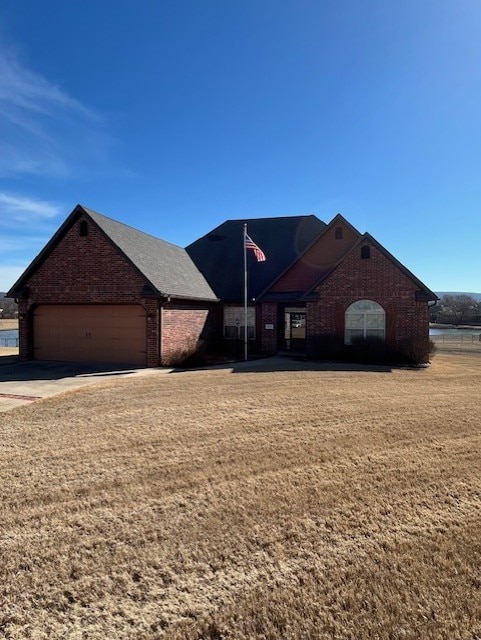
295,329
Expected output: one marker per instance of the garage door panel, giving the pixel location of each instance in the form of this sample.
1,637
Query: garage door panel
90,333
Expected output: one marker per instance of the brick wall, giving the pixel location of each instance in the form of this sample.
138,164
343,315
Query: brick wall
376,278
269,336
185,329
84,270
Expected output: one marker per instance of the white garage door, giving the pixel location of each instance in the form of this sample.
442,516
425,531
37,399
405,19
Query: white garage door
90,333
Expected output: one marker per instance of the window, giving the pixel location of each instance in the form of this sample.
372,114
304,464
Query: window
234,323
365,252
364,319
83,228
338,233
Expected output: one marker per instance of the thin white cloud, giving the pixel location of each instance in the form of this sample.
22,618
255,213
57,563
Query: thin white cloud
20,214
19,208
26,224
44,130
22,90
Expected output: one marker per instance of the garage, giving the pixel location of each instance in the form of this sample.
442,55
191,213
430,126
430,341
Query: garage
90,333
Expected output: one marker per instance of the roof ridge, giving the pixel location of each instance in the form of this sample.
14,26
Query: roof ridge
128,226
307,215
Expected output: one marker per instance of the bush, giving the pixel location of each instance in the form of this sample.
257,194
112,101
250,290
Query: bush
371,350
417,351
191,354
325,347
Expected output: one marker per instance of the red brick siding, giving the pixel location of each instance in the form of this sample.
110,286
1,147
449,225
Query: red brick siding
25,330
378,279
183,328
85,270
269,336
152,332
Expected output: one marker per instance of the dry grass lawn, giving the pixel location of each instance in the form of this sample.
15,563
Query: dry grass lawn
281,505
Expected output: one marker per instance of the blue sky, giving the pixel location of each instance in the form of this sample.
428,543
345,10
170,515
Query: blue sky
175,115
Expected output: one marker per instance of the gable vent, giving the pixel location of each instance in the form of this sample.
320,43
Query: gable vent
365,252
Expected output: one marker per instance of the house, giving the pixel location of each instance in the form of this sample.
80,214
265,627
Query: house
320,283
103,291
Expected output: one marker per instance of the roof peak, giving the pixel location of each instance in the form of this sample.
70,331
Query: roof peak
93,213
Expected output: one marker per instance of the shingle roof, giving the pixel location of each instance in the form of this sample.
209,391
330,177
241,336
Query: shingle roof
219,254
167,267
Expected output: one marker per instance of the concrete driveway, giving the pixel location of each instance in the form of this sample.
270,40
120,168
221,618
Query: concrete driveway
24,382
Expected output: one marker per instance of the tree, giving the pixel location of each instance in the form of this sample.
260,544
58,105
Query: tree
457,308
9,307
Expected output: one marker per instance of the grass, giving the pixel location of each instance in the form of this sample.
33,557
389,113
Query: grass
291,504
457,343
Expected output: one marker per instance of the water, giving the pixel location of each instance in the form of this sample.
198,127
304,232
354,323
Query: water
448,331
9,338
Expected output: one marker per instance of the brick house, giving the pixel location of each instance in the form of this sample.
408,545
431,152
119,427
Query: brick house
103,291
319,281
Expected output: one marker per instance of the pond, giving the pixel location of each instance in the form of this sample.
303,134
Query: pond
450,331
9,338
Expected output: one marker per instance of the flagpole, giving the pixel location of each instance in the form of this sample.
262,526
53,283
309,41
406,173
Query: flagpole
245,292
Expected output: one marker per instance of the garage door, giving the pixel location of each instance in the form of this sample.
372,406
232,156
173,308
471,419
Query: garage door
90,333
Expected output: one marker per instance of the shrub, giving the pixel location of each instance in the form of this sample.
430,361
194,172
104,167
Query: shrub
371,350
191,354
325,347
417,351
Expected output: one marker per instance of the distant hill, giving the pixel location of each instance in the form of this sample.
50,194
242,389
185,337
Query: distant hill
476,296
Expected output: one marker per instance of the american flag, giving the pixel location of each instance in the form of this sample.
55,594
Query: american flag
250,244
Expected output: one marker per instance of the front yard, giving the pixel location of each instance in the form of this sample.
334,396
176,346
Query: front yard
209,504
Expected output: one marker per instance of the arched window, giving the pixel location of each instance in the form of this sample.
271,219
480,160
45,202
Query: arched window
84,228
364,319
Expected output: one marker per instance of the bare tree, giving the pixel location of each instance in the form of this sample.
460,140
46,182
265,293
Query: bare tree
457,308
9,307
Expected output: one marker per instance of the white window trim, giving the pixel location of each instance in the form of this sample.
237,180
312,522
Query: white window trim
234,321
366,313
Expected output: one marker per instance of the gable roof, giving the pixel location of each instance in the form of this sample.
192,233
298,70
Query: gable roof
167,267
427,294
312,270
220,255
